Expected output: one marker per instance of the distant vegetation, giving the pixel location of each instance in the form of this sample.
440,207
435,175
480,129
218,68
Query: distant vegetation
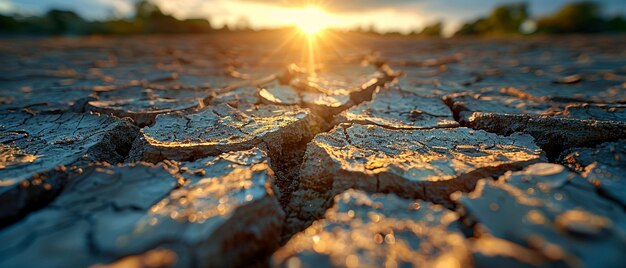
508,19
583,17
148,18
579,17
435,29
503,19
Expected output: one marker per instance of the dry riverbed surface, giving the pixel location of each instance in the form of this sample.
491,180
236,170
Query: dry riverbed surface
228,150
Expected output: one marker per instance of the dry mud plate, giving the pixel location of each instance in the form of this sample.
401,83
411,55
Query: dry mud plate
120,210
39,152
424,164
218,151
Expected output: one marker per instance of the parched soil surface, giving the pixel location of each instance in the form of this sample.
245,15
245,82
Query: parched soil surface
238,150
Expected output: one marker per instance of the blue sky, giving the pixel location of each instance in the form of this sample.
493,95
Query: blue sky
402,15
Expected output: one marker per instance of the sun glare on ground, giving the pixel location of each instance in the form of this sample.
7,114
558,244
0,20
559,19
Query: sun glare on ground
311,20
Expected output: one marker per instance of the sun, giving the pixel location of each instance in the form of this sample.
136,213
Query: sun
311,20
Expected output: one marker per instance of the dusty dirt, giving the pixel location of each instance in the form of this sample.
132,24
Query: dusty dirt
245,150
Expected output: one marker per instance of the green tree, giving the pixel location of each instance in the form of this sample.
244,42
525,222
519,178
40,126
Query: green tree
145,10
9,24
65,22
617,24
508,18
503,19
434,29
581,17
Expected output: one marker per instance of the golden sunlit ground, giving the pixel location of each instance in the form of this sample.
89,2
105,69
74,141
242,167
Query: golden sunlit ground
312,147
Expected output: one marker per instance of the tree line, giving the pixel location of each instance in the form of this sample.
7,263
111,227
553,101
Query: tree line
148,18
578,17
507,19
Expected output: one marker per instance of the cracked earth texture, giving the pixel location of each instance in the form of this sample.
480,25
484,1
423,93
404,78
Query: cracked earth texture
230,150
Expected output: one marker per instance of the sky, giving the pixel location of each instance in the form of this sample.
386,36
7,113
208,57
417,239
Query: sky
384,15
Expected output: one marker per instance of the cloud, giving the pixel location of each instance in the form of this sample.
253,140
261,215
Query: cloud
343,5
91,9
6,6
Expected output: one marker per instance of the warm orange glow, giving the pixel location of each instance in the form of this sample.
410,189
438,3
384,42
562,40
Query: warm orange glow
311,20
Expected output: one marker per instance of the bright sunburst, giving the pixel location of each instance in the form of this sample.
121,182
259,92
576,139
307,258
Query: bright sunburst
311,20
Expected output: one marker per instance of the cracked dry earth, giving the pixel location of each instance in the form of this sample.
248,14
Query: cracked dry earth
225,151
